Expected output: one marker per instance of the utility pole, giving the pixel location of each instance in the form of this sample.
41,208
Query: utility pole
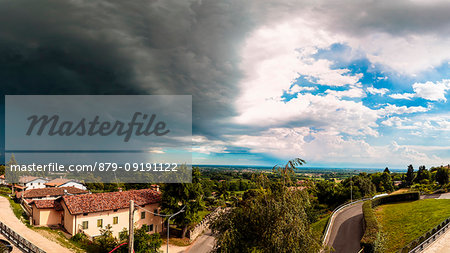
131,229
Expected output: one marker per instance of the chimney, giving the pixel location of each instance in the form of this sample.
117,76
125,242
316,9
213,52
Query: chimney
155,187
120,189
65,192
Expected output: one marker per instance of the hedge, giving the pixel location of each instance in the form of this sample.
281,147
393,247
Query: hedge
372,228
409,196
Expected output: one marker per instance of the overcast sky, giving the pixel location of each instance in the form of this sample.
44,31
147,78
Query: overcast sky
337,83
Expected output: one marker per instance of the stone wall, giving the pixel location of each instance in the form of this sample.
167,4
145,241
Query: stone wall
204,224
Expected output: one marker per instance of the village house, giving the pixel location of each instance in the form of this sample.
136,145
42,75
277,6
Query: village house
62,182
89,213
47,193
2,180
29,182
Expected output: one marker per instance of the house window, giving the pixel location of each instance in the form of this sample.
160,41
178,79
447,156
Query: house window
85,225
142,215
115,220
100,223
85,214
148,228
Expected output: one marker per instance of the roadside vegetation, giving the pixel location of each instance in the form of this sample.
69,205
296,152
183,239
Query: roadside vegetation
402,223
318,227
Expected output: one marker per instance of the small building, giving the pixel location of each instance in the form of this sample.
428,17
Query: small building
88,213
29,182
45,212
62,182
2,180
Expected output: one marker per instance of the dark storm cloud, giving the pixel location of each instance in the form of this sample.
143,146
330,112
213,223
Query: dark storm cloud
170,47
400,17
126,47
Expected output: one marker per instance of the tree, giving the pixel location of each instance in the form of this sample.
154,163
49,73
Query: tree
422,174
442,176
365,185
387,170
410,175
267,222
144,242
105,242
175,196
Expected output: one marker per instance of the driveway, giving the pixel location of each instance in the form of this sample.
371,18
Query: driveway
7,217
347,230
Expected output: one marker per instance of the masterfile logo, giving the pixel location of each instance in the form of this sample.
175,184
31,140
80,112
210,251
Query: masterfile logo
140,124
110,138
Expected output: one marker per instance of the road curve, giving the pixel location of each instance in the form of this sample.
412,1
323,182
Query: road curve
346,230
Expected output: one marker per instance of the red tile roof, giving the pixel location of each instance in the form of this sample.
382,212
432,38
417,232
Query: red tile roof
52,192
46,204
89,203
57,182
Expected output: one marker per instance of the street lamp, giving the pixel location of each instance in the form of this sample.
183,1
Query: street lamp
168,225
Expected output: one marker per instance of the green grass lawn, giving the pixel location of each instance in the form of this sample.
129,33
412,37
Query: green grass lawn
404,222
318,227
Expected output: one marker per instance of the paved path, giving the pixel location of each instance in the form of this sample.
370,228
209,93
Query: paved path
441,245
7,217
347,230
203,244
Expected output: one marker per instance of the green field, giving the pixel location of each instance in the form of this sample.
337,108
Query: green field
401,223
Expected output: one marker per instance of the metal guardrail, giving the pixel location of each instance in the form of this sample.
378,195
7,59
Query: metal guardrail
337,209
20,242
432,238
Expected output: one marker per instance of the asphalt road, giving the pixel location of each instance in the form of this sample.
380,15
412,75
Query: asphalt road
347,230
203,244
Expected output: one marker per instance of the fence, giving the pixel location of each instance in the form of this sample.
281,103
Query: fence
20,242
426,239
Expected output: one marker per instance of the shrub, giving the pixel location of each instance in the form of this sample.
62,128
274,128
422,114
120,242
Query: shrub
372,231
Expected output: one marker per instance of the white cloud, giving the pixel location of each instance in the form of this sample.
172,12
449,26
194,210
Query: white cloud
428,90
297,88
332,147
201,144
394,109
432,91
327,112
407,96
375,91
353,92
